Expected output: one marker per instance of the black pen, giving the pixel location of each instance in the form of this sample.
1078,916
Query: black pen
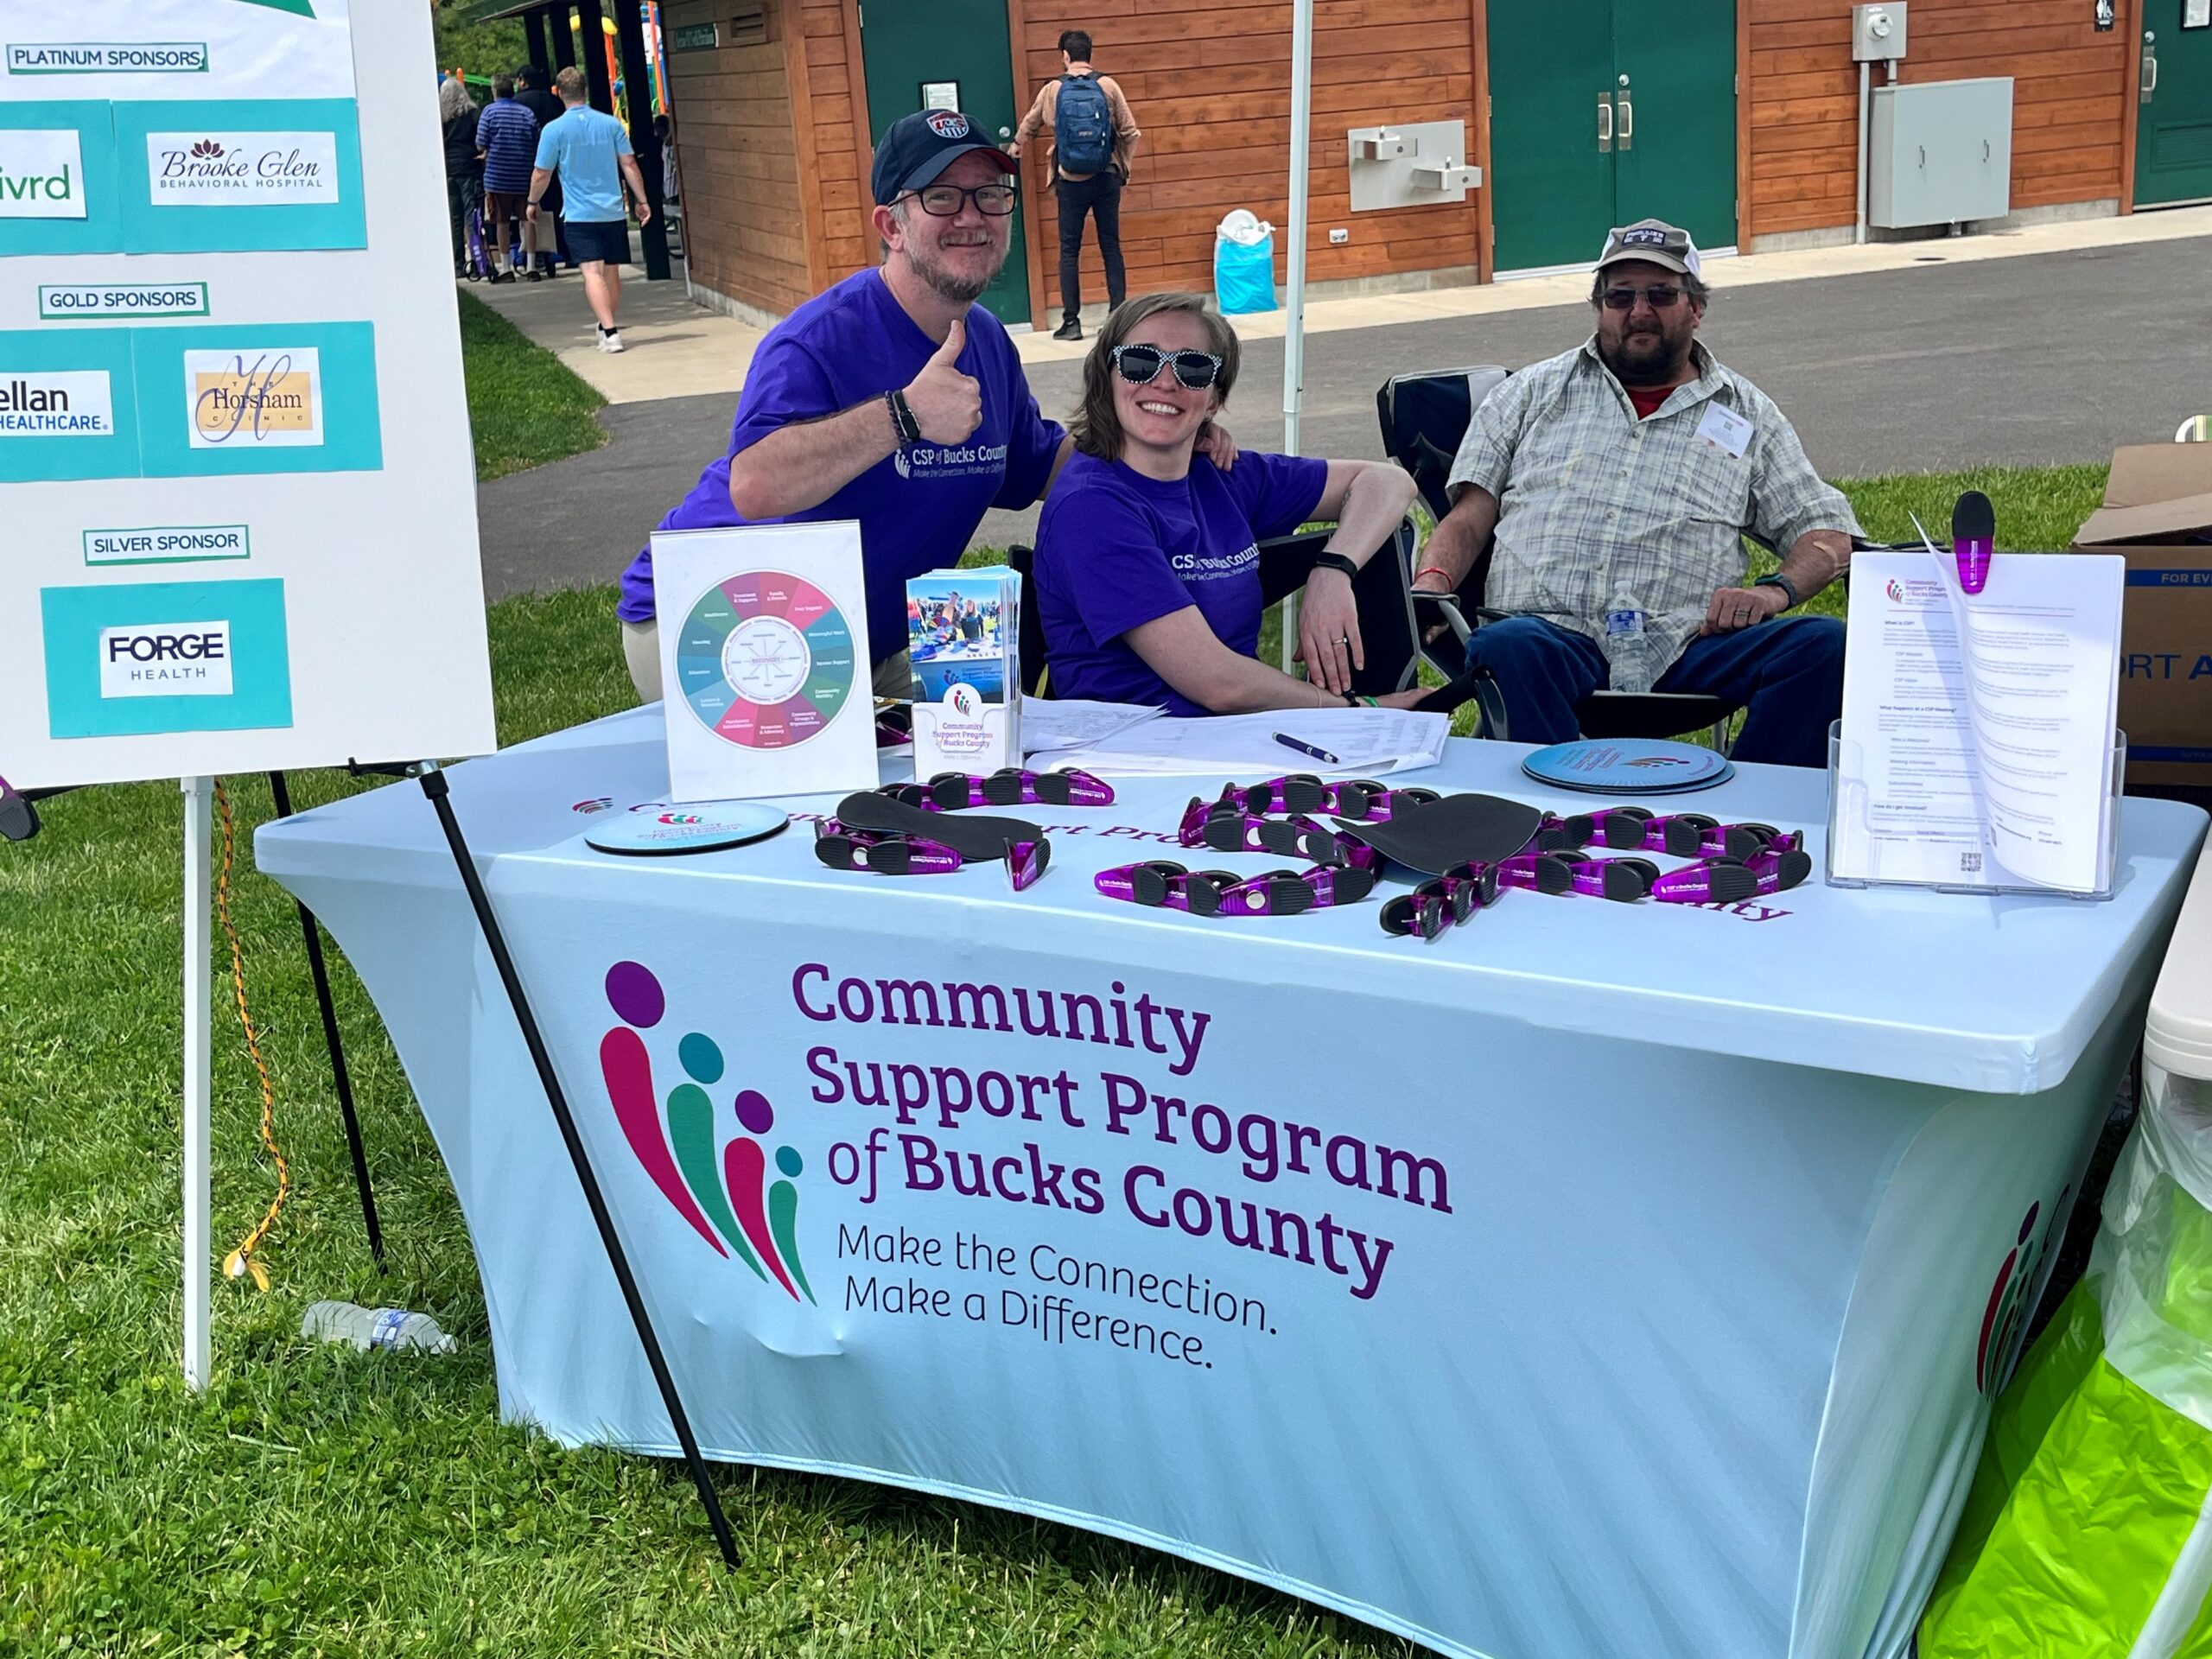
1322,755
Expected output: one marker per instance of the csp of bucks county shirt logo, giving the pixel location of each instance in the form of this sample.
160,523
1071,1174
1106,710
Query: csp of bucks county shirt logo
723,1189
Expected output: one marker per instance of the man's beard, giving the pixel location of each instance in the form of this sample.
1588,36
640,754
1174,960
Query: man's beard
1656,362
961,291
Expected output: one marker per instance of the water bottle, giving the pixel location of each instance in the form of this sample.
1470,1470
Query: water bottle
375,1327
1627,646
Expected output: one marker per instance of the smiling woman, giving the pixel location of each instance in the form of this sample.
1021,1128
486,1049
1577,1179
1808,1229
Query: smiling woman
1147,566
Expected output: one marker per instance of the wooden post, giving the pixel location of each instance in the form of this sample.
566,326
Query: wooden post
638,89
564,40
599,89
1478,131
539,24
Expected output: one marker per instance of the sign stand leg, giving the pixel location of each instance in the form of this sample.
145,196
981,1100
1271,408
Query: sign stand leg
198,1080
435,786
281,794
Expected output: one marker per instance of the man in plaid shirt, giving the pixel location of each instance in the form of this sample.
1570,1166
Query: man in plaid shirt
1616,478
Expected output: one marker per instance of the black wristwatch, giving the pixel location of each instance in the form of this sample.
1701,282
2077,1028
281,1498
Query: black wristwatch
1776,579
1325,559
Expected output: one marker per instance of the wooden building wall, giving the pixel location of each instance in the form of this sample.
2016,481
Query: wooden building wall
774,138
2071,92
773,142
737,138
1209,82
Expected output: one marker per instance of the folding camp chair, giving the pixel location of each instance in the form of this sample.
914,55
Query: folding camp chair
1423,418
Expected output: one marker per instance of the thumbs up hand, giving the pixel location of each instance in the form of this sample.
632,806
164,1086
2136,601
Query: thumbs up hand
948,405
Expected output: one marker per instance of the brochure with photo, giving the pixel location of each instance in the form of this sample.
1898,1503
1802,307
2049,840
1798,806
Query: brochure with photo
963,636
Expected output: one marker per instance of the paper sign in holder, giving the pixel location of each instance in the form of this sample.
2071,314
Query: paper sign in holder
1849,800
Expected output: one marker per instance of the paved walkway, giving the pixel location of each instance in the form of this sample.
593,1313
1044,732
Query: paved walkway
1999,349
676,349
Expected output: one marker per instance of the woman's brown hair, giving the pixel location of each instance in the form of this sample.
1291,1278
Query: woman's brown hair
1095,427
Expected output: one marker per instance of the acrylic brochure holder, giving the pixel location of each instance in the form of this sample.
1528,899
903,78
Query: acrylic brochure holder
1849,803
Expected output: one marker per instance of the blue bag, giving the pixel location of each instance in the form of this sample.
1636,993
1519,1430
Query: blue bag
1245,274
1082,126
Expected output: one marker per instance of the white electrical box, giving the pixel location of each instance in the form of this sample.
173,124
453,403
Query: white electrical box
1878,32
1939,152
1411,166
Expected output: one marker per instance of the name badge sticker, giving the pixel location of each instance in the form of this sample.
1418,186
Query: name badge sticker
1726,430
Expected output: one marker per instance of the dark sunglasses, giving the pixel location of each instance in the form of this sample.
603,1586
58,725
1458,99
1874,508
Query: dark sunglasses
1139,366
1660,296
1773,868
948,791
1161,883
1301,792
1442,901
1218,825
943,201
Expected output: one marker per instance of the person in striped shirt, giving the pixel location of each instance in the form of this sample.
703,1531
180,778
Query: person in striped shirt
506,138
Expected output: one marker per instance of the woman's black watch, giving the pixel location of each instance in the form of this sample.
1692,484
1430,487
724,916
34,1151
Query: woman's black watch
1328,560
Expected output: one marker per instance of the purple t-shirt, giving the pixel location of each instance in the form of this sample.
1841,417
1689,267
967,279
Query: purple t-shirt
917,509
1117,550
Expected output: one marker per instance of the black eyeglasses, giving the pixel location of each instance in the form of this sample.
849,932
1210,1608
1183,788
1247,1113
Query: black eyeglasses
943,201
1139,366
1660,296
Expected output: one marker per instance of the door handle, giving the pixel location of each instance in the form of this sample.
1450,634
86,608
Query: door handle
2150,82
1604,124
1627,120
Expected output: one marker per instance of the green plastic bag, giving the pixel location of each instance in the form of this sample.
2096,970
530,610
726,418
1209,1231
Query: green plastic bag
2087,1533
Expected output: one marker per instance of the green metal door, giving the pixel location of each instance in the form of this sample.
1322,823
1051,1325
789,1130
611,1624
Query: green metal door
2173,131
1551,117
1606,111
949,54
1674,138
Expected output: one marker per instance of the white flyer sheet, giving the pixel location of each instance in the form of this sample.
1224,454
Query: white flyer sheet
1978,729
1363,742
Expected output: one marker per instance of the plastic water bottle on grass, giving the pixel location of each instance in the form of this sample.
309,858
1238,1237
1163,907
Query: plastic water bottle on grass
1628,646
365,1328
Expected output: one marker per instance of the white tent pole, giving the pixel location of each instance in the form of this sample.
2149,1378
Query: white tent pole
198,1080
1293,341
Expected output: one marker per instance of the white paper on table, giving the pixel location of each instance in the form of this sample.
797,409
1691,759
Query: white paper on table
1978,729
1049,723
1366,742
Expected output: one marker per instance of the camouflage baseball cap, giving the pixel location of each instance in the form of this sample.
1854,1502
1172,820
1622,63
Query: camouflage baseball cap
1653,240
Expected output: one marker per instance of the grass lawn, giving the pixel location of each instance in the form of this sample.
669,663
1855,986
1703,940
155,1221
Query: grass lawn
318,1502
525,405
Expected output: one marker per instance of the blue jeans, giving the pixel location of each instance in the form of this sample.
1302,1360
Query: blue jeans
1787,675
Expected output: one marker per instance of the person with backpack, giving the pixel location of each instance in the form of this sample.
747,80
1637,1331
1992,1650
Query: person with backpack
1094,140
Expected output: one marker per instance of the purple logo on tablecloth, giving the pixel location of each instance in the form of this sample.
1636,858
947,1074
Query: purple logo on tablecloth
2008,1298
727,1194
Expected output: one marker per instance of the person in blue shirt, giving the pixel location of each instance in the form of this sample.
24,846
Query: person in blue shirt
590,152
1147,571
506,138
892,398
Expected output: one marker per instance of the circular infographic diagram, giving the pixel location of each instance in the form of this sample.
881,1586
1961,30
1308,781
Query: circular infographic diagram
765,660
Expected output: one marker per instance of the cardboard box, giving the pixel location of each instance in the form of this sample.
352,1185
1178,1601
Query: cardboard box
2158,516
963,637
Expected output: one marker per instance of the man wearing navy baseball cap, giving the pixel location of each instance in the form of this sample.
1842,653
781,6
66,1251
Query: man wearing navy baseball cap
892,398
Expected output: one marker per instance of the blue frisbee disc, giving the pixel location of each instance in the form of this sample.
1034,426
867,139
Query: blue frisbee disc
1628,766
658,827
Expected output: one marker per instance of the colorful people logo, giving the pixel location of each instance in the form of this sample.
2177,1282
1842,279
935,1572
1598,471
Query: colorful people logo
2008,1300
726,1196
